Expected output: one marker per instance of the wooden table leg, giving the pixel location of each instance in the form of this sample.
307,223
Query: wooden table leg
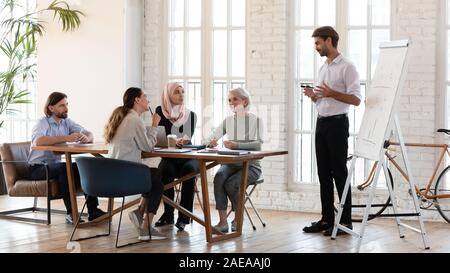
239,210
241,202
72,187
206,209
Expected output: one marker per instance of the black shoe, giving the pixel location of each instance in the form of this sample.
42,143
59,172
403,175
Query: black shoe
181,223
163,221
95,213
69,220
329,231
316,227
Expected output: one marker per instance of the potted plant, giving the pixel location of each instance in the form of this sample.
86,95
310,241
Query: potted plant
19,30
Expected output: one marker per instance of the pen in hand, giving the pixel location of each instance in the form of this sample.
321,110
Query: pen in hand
150,109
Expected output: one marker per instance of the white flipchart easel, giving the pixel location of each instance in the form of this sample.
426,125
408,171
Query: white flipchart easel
380,115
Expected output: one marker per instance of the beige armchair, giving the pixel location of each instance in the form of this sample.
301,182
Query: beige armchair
15,169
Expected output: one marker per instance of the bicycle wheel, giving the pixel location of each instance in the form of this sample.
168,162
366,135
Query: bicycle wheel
376,209
443,187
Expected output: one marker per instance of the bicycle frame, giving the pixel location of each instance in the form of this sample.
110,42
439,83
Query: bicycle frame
425,193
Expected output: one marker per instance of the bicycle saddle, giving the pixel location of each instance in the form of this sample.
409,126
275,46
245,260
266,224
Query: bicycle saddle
444,131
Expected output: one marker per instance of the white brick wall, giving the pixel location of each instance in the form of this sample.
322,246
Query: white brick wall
267,80
152,50
418,20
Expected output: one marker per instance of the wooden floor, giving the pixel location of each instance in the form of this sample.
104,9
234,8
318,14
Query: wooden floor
281,235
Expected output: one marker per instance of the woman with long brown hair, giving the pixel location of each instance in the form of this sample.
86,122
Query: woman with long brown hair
127,137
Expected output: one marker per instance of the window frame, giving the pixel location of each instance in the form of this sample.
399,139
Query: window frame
206,120
27,112
343,29
443,81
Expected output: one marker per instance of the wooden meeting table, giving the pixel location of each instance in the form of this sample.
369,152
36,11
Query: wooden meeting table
206,162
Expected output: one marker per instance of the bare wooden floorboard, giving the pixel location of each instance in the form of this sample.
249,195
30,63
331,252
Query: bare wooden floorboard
283,234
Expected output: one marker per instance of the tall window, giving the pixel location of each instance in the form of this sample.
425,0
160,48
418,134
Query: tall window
447,75
369,24
362,25
228,54
18,125
307,64
206,41
184,54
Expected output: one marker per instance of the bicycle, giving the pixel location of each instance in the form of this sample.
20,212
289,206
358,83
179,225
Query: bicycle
439,197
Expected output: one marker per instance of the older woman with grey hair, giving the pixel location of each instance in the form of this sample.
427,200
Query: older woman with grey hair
244,131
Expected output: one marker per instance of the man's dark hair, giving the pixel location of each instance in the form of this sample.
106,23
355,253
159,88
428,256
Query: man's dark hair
325,33
52,100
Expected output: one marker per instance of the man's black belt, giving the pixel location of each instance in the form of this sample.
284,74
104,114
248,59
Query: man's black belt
341,116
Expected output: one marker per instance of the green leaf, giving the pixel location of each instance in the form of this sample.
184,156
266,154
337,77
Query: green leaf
18,44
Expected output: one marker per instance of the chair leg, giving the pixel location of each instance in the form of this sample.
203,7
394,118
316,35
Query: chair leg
149,228
120,223
49,214
78,222
249,218
118,230
198,195
256,212
177,190
35,204
90,237
8,215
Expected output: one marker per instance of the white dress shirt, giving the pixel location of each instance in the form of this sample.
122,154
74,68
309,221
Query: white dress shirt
132,138
341,76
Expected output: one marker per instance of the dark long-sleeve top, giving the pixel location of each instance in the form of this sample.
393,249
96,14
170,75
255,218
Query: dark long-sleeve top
187,128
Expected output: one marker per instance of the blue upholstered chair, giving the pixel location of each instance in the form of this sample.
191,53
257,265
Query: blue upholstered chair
111,178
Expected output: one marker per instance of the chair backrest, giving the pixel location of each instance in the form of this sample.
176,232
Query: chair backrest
15,166
106,177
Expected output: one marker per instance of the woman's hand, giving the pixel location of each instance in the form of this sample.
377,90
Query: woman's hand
212,143
155,120
180,142
230,144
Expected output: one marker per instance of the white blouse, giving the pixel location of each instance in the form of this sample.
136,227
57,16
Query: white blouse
132,138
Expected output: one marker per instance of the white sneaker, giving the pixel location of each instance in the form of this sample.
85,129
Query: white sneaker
220,228
145,236
136,218
233,226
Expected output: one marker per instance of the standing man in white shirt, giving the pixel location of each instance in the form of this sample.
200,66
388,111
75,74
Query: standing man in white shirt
338,88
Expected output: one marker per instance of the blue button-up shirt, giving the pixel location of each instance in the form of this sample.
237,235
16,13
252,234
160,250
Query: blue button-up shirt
49,127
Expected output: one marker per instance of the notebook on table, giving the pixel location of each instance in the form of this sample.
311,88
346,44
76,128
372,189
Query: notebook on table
194,147
177,151
208,151
233,152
